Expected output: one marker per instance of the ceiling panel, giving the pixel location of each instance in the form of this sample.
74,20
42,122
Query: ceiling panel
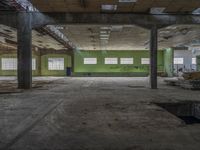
38,39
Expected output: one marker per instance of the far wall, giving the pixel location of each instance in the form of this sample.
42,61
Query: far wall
102,69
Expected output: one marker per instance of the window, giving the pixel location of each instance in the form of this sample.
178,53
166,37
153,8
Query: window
111,61
145,61
9,63
90,61
56,64
126,60
33,64
194,61
178,61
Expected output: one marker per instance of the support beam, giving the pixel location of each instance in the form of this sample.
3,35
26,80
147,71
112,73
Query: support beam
153,56
143,20
24,52
10,18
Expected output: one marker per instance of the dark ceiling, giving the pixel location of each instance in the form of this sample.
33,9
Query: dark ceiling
140,6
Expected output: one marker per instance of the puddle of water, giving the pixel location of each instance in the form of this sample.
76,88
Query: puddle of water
189,112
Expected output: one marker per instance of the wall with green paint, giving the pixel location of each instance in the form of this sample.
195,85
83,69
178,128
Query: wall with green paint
41,65
168,61
44,65
14,72
136,69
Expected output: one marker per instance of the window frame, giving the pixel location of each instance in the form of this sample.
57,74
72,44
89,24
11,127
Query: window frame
60,67
144,61
5,65
126,61
88,61
111,61
178,61
194,61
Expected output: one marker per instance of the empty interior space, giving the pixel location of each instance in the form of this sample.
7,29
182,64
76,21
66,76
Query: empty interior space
99,75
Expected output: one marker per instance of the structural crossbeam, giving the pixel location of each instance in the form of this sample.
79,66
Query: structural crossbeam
143,20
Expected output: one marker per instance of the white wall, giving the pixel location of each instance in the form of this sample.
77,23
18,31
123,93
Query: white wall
187,55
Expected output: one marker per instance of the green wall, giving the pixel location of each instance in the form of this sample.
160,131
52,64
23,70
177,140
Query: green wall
44,65
136,69
41,65
100,69
168,61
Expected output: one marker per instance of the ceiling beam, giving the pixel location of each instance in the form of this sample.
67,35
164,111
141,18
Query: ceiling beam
38,19
8,18
143,20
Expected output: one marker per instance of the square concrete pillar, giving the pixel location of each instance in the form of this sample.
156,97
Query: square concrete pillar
153,57
24,51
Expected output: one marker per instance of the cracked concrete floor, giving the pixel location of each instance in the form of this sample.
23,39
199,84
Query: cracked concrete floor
95,114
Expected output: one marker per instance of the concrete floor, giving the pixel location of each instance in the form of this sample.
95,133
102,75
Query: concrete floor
95,114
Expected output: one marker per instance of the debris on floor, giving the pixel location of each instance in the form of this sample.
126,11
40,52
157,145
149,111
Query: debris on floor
10,86
190,80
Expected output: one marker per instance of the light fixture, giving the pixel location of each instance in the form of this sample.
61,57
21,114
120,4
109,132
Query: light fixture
104,38
104,35
157,10
106,7
105,28
104,32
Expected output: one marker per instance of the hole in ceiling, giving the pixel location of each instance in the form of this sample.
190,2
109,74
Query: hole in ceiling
188,112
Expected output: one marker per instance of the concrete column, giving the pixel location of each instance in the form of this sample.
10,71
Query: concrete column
153,57
24,52
72,60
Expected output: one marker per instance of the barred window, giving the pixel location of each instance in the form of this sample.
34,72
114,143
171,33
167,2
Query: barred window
55,63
